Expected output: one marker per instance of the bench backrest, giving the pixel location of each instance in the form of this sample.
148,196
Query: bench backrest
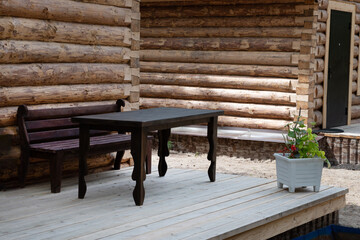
45,125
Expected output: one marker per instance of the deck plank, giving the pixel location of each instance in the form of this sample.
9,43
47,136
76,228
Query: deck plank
269,213
121,194
219,214
67,183
95,191
257,215
181,205
207,198
177,224
157,197
100,192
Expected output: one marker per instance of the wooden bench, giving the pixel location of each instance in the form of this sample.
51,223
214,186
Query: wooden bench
50,134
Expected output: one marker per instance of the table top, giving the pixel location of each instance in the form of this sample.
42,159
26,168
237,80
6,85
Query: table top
148,117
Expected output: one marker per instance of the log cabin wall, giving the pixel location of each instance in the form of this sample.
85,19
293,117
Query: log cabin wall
242,56
64,53
323,16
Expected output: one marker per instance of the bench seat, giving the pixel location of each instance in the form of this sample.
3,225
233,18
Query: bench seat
50,134
115,141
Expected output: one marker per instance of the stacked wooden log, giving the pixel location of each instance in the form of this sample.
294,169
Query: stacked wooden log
240,56
65,53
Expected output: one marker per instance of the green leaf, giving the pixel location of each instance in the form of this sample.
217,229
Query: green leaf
303,139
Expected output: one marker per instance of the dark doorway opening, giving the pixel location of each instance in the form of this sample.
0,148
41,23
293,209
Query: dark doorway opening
338,69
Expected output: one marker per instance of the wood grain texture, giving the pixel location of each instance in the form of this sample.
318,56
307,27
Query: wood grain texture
45,52
211,2
231,109
264,21
8,114
67,11
221,44
226,46
216,94
217,81
253,123
223,57
197,207
14,96
220,69
223,31
116,3
42,74
227,11
65,53
64,32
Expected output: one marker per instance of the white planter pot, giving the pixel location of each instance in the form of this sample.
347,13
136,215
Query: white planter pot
298,172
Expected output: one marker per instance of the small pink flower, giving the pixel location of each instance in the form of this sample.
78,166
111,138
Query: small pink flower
293,148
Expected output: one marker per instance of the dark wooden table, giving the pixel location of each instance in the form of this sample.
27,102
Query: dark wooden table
140,123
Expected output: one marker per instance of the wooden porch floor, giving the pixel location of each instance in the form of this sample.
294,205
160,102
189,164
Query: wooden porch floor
350,131
182,205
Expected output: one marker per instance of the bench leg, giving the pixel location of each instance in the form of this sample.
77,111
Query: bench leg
24,163
148,156
56,172
117,162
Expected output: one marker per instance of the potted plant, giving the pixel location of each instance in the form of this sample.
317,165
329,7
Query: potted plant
301,163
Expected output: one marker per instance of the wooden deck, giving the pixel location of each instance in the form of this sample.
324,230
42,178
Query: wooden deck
344,148
182,205
350,131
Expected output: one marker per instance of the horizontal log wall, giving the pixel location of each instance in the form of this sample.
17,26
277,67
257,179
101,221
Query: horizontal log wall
322,17
241,56
65,53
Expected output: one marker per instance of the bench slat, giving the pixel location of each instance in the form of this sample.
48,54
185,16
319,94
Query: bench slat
70,112
75,142
60,134
115,140
49,124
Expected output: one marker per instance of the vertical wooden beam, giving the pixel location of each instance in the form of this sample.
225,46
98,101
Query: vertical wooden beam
135,48
307,64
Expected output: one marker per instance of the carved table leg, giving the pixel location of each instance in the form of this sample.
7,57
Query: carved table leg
163,150
212,137
138,152
83,151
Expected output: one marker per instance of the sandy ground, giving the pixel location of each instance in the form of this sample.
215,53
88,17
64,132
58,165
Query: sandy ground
346,176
